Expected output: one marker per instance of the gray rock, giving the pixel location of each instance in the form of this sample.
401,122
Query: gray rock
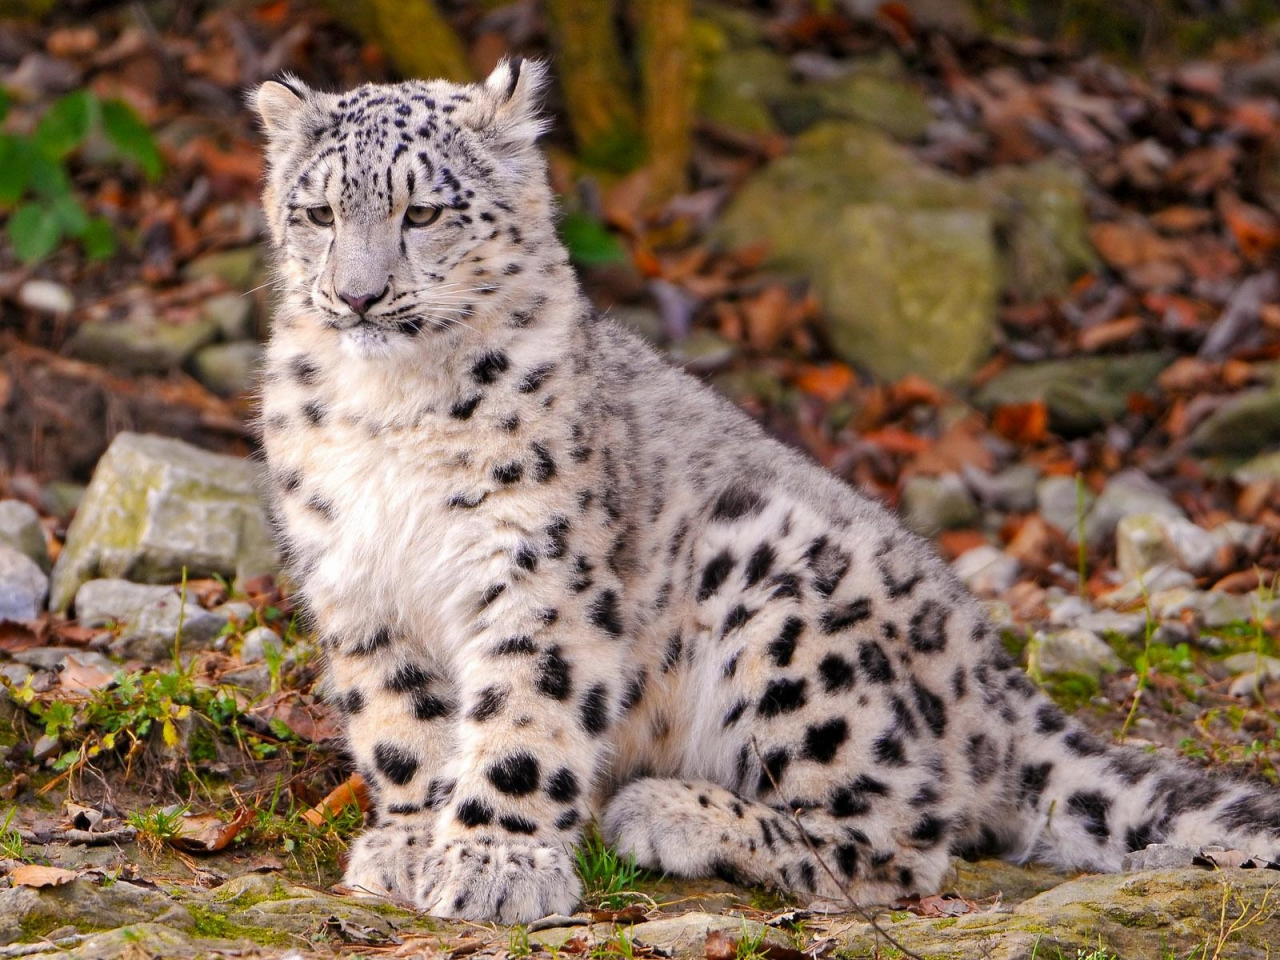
703,351
1160,856
46,297
237,268
232,313
140,344
902,255
1081,394
237,611
15,673
1128,492
44,747
1128,625
987,570
20,529
228,368
150,634
86,906
1244,426
1264,467
1072,652
1013,489
51,658
23,586
100,603
61,497
156,506
1062,502
257,642
931,504
1044,227
1218,609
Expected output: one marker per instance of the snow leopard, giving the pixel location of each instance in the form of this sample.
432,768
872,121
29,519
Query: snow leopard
559,582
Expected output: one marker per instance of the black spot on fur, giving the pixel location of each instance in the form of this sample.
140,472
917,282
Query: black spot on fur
760,563
553,675
428,706
889,750
1092,808
835,619
1084,744
314,412
775,765
594,712
474,813
514,824
983,757
931,708
1049,719
675,646
604,613
544,468
928,630
874,663
464,408
395,763
714,574
515,775
735,712
489,366
735,618
489,703
736,502
514,645
508,472
784,695
535,378
352,702
1032,779
562,786
822,741
836,673
928,831
782,647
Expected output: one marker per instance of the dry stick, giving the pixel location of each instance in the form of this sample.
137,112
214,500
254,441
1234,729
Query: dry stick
840,884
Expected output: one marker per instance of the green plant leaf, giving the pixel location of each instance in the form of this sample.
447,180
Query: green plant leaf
71,216
15,172
44,174
4,104
589,243
131,137
34,232
66,124
98,238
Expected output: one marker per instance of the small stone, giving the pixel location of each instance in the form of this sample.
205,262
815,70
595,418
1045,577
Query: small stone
1265,666
15,673
140,345
987,570
1061,502
44,748
1244,426
1072,652
1220,609
703,351
104,602
54,658
236,268
256,644
23,586
1012,490
1128,492
152,633
1145,540
932,504
228,369
237,611
1066,611
46,296
1154,582
61,497
232,313
1131,626
20,529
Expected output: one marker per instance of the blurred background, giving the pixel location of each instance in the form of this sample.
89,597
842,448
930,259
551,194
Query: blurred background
1008,265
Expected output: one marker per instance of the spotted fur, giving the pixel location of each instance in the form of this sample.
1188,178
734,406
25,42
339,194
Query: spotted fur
554,576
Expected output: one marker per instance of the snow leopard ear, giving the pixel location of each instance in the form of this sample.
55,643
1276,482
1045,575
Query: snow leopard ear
515,90
281,104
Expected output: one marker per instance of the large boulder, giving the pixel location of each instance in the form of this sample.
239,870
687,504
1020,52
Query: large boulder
903,255
1247,424
157,506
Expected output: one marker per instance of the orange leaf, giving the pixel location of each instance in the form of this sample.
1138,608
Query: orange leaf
353,791
1023,423
34,875
828,382
896,440
206,833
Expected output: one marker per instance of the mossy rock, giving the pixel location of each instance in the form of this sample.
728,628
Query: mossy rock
28,914
157,506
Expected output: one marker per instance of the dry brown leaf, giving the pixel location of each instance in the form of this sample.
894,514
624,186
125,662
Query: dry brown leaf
77,677
828,382
37,876
207,833
1110,334
720,946
1023,423
352,791
1127,245
961,446
937,905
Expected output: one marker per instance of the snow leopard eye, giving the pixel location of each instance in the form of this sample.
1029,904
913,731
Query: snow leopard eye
422,216
320,216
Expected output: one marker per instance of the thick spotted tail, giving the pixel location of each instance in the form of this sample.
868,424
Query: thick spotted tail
698,829
1084,803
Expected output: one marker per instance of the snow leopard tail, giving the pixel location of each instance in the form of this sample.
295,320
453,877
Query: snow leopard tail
1083,803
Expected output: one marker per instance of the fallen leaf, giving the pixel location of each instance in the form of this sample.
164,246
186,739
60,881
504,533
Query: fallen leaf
720,946
1126,245
828,382
77,677
937,905
207,833
35,875
1023,423
352,791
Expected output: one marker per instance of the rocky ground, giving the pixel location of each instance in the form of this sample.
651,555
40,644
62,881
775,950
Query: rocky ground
1027,297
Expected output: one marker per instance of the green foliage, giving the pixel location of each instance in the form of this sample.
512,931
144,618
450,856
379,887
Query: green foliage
608,880
36,187
589,243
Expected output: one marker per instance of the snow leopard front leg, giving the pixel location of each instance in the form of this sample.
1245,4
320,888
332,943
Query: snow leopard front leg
538,703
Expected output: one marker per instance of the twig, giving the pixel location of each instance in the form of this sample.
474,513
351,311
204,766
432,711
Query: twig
91,838
30,949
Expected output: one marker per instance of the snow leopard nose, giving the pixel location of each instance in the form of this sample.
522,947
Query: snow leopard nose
361,303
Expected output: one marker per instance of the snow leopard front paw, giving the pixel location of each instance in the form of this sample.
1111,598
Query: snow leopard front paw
507,882
387,861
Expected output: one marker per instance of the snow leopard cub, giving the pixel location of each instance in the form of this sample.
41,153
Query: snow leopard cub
555,577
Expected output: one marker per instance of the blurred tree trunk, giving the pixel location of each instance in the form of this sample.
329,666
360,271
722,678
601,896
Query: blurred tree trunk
415,36
602,112
665,60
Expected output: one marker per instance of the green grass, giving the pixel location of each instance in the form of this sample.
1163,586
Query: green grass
608,880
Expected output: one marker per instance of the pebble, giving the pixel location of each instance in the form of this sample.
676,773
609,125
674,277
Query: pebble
1128,492
1057,503
45,747
102,602
1073,651
20,529
931,504
257,642
51,658
987,570
46,296
1154,581
23,586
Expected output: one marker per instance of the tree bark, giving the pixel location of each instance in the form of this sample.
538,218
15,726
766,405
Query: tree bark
593,75
665,60
415,36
